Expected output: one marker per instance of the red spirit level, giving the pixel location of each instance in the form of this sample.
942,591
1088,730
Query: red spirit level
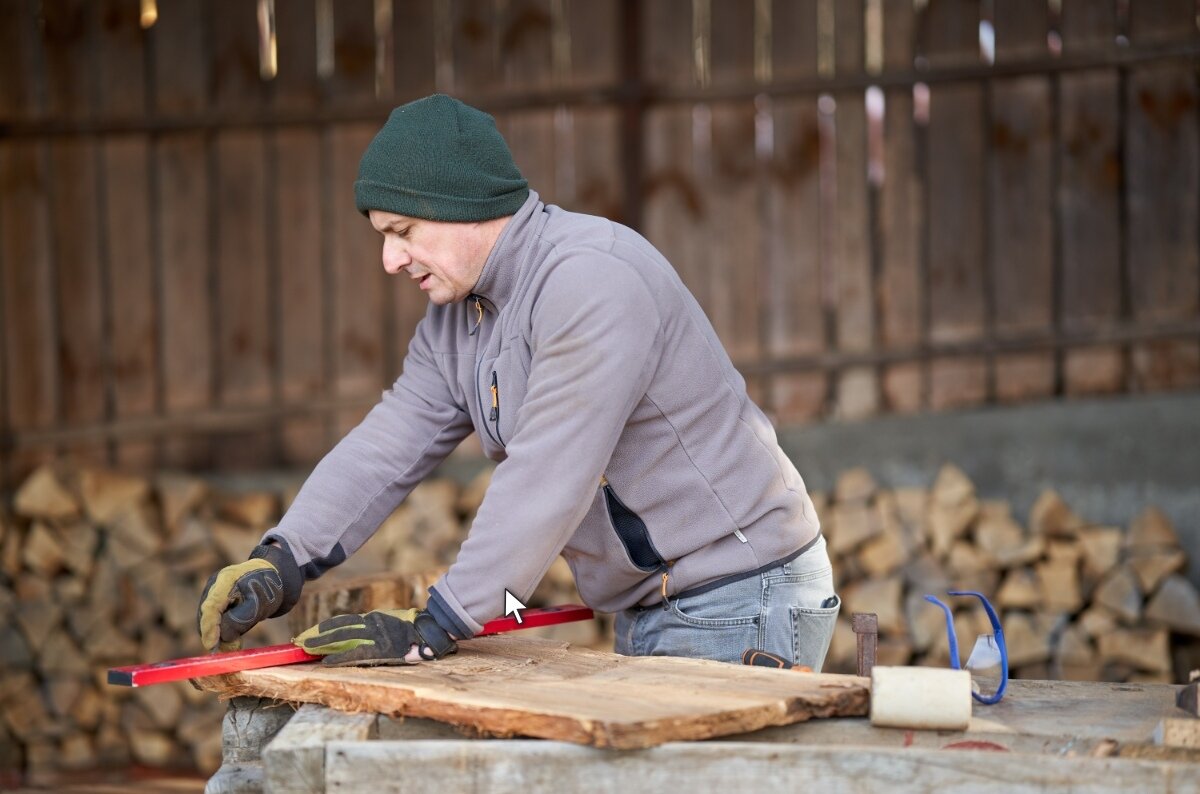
276,655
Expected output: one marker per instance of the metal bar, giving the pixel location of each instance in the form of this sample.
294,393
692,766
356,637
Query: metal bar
624,93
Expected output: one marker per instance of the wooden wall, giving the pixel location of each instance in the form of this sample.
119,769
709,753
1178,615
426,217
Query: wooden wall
878,212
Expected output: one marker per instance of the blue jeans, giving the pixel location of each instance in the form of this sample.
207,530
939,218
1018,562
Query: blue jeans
779,611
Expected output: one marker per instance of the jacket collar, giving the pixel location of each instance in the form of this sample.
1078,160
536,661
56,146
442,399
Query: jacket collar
502,270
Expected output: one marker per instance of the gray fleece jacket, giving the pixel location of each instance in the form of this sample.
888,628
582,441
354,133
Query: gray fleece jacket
624,435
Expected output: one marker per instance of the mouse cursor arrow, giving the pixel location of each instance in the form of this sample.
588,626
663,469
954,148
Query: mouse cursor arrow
511,605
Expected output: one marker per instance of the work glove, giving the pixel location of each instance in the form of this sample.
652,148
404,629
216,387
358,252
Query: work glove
239,596
383,636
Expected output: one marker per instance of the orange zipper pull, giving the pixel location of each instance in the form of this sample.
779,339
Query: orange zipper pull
495,389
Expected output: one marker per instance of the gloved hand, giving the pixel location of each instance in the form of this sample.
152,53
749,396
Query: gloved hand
383,636
238,596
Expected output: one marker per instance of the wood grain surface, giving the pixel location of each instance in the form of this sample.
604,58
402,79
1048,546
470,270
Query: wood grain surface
524,686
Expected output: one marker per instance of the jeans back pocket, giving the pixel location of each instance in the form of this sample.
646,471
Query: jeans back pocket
812,630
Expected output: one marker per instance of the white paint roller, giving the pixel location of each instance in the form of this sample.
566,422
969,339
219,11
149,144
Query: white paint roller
924,698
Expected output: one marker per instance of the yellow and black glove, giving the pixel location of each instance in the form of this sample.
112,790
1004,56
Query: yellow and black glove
239,596
384,636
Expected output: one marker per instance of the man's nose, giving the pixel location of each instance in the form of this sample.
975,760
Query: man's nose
395,258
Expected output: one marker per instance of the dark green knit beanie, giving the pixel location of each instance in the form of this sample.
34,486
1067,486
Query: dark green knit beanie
441,160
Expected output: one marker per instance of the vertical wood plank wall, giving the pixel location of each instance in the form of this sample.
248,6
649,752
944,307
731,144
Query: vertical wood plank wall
884,206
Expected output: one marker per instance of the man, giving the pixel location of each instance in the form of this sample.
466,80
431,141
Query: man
624,435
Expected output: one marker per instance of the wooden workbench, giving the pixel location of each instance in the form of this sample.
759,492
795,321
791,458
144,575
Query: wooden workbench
1045,735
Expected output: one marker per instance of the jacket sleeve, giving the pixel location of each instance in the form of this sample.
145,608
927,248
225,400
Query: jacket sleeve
373,468
595,341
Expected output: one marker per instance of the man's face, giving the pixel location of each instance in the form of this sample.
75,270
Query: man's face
445,259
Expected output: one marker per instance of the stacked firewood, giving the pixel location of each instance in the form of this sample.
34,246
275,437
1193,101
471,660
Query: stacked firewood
1077,601
100,569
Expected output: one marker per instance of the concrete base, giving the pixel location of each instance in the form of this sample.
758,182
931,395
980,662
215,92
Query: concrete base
1109,459
249,724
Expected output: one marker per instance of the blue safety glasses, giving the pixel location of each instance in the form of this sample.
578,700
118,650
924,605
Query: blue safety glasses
989,658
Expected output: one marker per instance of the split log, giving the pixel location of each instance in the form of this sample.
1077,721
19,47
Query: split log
1101,550
1050,515
1097,620
1145,649
61,655
107,493
43,496
79,542
1119,593
1026,645
234,542
179,496
1058,585
256,510
77,750
1151,529
1151,565
37,619
854,485
851,525
1021,590
926,625
389,591
88,708
881,596
952,487
966,559
163,703
471,497
43,553
1176,605
883,554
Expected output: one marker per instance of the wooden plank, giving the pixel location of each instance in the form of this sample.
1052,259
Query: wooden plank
901,294
667,57
75,228
294,761
1020,191
65,27
725,168
794,322
133,312
245,340
353,79
181,198
1085,25
21,59
732,42
593,36
1159,21
416,57
179,77
1162,157
475,47
595,185
358,282
120,60
186,333
956,178
304,306
295,87
551,690
527,28
1089,199
857,390
956,251
675,205
299,229
948,33
30,335
127,224
516,767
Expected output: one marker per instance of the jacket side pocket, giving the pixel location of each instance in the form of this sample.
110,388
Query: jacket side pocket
632,531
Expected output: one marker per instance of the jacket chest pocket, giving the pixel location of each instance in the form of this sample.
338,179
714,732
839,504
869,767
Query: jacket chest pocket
503,384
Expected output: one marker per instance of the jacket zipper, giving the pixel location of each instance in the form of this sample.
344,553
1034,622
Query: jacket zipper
478,316
495,389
